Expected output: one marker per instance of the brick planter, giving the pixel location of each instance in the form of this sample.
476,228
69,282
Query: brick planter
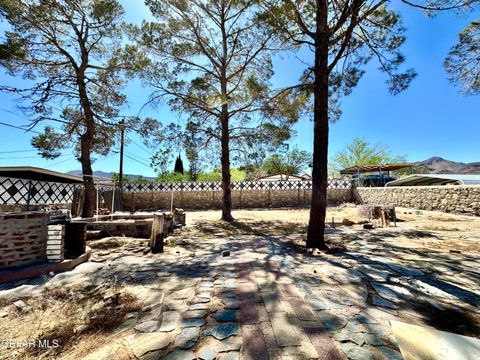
23,238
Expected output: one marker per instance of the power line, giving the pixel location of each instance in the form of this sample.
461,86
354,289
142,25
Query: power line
20,157
16,151
27,157
61,162
141,147
19,128
141,162
136,156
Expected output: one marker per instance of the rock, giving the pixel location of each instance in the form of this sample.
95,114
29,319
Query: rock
375,274
207,353
183,294
117,349
180,355
379,301
142,276
382,315
227,345
198,306
391,292
19,292
332,321
194,322
322,304
194,314
3,313
147,296
176,304
231,304
373,339
233,355
222,331
204,295
405,270
364,319
227,294
348,336
128,324
356,327
169,320
147,326
187,338
226,253
226,316
355,352
389,353
20,304
142,343
201,300
152,314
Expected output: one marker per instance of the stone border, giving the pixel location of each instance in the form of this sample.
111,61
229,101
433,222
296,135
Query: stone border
42,269
457,199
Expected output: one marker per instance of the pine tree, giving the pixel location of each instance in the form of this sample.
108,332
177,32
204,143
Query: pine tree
73,52
343,36
178,165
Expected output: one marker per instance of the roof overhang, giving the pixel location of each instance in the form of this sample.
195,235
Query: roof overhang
436,179
35,173
358,169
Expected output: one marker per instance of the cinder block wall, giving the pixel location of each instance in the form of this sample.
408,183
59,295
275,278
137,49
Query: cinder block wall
244,199
452,199
23,238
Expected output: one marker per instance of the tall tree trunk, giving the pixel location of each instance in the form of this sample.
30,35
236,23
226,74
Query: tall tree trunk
224,118
226,183
316,226
85,148
89,186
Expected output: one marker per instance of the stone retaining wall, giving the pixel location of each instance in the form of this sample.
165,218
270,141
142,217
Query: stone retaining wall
23,238
452,199
240,199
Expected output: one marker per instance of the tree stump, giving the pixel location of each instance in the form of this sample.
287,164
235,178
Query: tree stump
369,212
156,236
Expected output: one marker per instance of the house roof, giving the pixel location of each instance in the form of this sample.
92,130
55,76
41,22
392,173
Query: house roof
35,173
374,167
275,177
436,179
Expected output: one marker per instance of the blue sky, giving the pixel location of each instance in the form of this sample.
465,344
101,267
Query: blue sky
429,119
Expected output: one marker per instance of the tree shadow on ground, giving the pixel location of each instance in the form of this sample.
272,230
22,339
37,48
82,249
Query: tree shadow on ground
449,319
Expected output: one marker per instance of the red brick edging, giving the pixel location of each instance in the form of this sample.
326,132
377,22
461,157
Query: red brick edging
42,269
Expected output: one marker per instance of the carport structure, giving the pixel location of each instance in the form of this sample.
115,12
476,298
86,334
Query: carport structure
380,168
436,179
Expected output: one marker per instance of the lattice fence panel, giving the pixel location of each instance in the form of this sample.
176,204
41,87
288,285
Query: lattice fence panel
236,185
23,192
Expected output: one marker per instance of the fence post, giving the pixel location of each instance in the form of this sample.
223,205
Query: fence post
29,194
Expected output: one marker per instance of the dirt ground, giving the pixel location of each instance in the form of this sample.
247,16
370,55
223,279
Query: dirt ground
419,229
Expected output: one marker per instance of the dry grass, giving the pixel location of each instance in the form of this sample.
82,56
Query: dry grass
77,319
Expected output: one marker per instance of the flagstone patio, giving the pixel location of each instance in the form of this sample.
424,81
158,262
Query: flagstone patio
268,299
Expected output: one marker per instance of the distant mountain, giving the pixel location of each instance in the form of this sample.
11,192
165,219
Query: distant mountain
102,175
442,166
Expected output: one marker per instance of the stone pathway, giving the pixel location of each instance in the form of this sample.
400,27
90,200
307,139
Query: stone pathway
265,300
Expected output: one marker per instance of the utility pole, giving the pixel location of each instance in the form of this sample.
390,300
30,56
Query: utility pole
120,173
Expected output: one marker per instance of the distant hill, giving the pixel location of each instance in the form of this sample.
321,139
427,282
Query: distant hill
102,175
442,166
